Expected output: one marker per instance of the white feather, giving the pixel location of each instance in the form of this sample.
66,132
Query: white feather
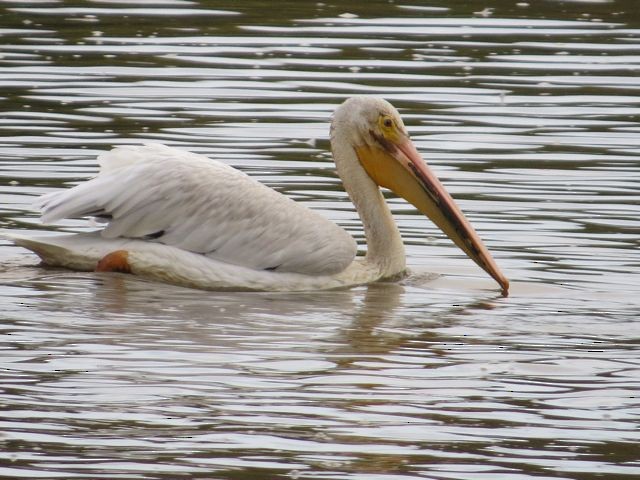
185,219
203,206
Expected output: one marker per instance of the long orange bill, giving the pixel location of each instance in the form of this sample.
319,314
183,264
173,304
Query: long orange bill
408,175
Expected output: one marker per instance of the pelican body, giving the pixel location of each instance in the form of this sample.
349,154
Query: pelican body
185,219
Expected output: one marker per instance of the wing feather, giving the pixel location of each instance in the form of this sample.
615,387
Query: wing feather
206,207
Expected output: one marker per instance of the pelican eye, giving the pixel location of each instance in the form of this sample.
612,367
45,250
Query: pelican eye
388,130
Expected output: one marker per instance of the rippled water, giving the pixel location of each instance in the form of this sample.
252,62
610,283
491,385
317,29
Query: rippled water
530,114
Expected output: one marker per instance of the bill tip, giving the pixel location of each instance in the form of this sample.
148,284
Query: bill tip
505,287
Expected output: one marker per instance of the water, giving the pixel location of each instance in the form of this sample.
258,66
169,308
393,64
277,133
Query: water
530,114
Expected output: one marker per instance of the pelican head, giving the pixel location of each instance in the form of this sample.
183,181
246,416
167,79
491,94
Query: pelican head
377,134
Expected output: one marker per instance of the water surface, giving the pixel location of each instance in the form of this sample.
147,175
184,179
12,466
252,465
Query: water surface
529,113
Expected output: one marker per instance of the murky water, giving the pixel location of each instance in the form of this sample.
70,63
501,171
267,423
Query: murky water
530,114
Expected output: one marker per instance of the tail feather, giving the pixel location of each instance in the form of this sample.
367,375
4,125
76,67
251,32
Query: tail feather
77,251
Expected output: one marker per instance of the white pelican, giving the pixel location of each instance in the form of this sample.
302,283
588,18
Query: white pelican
185,219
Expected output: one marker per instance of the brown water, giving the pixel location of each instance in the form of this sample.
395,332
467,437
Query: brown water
528,111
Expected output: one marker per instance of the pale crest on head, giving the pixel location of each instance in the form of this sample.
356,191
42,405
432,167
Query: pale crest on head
357,116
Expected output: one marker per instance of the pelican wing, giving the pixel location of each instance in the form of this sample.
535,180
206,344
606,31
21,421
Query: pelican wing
197,204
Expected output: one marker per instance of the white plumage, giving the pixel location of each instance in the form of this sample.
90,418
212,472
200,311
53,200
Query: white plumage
183,218
199,205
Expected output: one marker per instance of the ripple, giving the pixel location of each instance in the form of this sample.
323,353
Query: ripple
89,11
529,116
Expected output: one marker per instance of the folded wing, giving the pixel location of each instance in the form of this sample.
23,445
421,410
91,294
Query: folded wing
197,204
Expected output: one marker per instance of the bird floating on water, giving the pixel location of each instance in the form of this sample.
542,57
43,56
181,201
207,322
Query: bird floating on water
185,219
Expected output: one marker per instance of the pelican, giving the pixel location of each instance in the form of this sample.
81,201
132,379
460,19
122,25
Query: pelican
185,219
